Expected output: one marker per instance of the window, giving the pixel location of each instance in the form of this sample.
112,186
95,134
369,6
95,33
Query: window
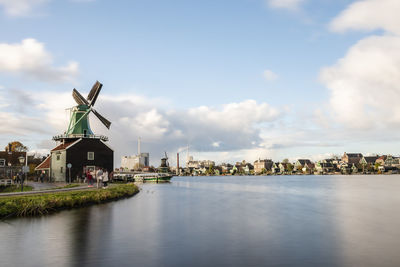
90,155
58,157
2,162
61,169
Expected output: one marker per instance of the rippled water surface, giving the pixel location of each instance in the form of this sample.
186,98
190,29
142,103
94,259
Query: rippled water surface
221,221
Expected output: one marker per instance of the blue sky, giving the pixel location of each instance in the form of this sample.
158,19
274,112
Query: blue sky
173,70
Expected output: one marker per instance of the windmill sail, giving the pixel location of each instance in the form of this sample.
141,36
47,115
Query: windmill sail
79,99
106,122
94,93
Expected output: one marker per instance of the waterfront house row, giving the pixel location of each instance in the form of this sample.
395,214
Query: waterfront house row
349,163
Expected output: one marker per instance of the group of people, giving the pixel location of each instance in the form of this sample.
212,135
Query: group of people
101,175
18,178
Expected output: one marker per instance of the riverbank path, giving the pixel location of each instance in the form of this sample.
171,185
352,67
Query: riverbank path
44,188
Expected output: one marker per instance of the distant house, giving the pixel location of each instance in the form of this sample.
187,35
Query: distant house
234,170
381,160
261,165
324,167
335,161
246,169
352,158
225,168
300,163
348,168
275,168
283,167
392,161
368,163
308,168
10,163
303,165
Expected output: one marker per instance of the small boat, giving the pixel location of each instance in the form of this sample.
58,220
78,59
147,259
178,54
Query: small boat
152,177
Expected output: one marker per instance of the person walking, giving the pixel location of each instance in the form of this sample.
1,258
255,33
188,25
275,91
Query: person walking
105,179
99,175
89,179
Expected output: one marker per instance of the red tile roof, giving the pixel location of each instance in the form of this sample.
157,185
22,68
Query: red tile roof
62,146
45,164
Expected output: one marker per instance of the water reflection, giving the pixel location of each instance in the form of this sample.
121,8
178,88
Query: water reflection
221,221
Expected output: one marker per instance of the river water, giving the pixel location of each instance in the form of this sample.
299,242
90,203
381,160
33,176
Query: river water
221,221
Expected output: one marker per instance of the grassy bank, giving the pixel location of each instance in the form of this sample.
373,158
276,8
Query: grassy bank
14,188
34,205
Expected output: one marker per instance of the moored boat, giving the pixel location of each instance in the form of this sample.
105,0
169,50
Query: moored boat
152,177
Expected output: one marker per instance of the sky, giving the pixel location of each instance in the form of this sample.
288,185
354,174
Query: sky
233,80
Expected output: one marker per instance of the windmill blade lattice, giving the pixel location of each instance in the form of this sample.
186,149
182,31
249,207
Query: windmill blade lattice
106,122
94,93
79,99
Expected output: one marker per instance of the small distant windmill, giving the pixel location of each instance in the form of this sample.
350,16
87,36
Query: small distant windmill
164,167
79,120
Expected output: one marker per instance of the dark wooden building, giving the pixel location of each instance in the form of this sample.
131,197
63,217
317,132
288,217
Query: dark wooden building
83,154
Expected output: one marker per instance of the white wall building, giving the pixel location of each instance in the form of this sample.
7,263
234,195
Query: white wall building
135,162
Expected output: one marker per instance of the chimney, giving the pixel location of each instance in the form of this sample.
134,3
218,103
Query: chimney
177,163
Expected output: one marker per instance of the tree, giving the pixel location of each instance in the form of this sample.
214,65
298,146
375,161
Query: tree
289,167
16,146
285,161
377,166
210,169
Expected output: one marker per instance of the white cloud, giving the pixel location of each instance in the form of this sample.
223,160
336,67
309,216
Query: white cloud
285,4
270,75
30,58
216,144
364,84
20,7
369,15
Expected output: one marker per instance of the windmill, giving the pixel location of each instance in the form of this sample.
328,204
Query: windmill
79,150
79,120
164,167
164,161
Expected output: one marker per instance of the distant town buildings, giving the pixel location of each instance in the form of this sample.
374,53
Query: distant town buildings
349,163
137,162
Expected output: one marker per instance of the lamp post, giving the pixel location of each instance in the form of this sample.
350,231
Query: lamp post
10,170
22,160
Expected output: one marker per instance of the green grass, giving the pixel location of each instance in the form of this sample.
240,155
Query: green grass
14,188
34,205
